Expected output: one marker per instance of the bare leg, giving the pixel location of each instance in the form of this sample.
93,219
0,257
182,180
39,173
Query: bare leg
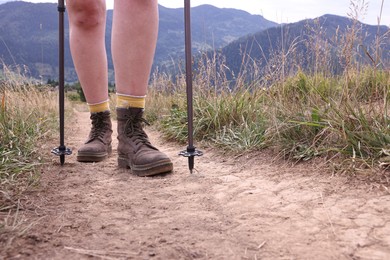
87,27
134,37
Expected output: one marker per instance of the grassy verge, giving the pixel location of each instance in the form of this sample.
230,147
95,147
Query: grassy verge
334,117
28,115
343,120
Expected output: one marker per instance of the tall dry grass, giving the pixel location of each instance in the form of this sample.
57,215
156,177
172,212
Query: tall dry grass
28,117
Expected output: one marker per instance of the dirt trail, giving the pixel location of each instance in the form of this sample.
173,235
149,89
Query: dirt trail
236,208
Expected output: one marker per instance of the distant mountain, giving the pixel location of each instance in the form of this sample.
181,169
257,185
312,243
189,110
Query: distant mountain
304,44
212,28
29,34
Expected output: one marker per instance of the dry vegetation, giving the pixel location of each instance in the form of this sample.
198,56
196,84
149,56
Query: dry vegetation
299,114
27,119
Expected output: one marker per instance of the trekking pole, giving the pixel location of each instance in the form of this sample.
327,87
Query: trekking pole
191,151
61,150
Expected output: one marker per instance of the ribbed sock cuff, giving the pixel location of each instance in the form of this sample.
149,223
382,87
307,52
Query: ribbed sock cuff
99,107
126,101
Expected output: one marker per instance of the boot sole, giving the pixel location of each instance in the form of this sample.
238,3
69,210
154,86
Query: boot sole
159,167
93,157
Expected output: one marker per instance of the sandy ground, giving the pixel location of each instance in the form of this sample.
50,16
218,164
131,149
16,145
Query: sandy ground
247,207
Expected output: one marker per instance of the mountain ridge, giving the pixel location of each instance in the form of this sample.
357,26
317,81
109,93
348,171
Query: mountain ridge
29,34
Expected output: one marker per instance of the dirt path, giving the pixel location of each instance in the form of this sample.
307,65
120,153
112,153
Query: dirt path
242,208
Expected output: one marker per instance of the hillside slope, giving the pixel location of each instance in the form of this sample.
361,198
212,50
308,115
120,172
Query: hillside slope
309,44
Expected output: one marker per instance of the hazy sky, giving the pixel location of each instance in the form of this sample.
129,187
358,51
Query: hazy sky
288,10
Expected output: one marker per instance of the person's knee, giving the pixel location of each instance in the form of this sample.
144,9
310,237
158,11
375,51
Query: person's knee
86,14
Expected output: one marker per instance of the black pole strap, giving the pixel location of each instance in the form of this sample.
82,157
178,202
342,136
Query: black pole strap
191,151
61,150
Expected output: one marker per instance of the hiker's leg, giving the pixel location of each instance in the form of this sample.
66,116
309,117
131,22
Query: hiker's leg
134,36
87,19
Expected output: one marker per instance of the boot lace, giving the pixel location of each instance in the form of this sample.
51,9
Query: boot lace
98,126
133,130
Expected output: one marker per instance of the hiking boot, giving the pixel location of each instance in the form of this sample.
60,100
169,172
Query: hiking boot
98,146
134,149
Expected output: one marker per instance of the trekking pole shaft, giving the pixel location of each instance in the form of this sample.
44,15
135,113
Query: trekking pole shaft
191,152
61,10
61,150
188,51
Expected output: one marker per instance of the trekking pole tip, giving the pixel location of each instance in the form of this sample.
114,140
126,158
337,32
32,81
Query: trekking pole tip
191,152
61,151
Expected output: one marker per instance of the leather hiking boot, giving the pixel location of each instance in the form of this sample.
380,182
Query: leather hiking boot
134,149
98,146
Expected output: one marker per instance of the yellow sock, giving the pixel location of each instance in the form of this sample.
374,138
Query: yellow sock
99,107
126,101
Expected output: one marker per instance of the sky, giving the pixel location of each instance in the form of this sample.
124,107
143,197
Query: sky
289,11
